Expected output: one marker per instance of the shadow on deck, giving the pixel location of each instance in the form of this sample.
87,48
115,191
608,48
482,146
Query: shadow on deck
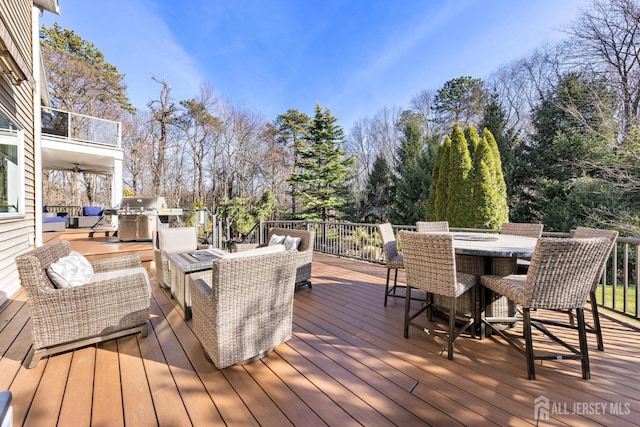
346,364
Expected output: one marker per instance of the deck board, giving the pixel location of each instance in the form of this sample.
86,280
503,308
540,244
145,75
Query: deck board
347,363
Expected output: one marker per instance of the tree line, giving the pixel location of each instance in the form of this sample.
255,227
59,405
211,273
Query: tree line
552,136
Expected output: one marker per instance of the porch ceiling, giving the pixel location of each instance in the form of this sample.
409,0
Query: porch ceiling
79,157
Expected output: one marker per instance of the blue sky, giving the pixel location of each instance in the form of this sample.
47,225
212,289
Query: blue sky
353,56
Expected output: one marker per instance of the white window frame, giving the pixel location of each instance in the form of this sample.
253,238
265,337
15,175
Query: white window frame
15,137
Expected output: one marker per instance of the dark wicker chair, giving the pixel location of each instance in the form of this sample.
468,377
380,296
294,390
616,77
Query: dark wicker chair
561,276
68,318
430,265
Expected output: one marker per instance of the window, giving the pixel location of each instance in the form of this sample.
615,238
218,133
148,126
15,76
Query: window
11,169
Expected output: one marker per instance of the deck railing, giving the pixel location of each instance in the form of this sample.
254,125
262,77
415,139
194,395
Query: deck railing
79,127
617,292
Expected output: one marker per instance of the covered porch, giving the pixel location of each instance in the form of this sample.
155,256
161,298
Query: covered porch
346,364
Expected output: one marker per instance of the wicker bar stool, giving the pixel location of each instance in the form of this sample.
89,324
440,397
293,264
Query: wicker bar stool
612,235
561,276
430,265
432,226
393,257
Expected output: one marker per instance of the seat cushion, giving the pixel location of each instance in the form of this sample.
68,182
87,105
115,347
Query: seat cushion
114,274
253,252
511,286
71,270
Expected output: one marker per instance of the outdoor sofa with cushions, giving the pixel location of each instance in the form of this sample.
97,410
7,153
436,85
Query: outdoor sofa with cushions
52,222
304,246
90,217
243,307
113,303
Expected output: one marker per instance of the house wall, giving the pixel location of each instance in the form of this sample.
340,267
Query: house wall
17,233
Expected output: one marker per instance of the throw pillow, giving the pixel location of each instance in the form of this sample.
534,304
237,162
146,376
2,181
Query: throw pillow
276,240
71,270
291,243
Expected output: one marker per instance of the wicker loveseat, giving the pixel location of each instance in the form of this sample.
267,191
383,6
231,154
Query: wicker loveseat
303,256
115,304
243,306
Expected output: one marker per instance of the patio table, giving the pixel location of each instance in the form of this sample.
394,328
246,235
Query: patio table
181,265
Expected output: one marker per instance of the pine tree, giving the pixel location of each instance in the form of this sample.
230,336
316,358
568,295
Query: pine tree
413,177
324,168
379,194
440,182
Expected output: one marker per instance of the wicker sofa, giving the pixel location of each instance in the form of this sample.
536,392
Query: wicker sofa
243,306
303,256
115,304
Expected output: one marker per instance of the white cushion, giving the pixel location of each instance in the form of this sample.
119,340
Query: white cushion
253,252
180,239
106,275
276,240
291,243
70,270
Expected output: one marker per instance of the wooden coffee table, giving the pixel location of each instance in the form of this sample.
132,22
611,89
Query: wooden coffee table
181,265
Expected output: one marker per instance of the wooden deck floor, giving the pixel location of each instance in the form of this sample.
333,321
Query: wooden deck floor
347,364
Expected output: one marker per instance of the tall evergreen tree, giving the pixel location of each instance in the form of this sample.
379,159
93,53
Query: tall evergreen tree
458,190
437,205
413,178
379,194
322,182
502,208
293,128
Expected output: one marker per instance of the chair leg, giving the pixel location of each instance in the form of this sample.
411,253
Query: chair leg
596,320
386,288
452,328
407,303
584,349
526,325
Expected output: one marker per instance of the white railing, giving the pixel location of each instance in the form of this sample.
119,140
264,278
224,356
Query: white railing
79,127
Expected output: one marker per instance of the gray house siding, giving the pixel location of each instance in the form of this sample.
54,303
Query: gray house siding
17,232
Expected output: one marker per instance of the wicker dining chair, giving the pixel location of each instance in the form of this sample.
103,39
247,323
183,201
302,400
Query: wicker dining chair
393,259
612,235
522,229
430,265
561,276
432,226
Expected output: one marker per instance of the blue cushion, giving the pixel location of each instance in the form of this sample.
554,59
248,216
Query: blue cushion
91,210
54,219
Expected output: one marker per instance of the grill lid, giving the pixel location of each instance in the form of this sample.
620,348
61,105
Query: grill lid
149,203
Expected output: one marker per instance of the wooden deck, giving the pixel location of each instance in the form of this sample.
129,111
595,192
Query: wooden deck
346,364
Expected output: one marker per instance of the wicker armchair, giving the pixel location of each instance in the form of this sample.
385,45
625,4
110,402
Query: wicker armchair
612,235
561,276
430,265
303,257
172,240
64,319
432,226
243,307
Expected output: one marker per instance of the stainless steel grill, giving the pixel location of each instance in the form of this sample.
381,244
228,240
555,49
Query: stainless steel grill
140,217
